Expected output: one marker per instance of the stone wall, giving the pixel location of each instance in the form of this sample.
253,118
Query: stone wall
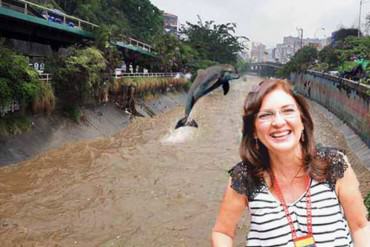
347,99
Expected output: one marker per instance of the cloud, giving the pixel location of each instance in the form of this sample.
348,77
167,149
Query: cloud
268,21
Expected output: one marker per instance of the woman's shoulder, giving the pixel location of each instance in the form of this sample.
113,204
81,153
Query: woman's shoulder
336,160
244,181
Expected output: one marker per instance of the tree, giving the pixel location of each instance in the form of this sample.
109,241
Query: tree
173,54
78,75
20,82
343,33
330,56
139,19
144,18
300,62
213,42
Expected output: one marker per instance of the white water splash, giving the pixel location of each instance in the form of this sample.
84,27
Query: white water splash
179,135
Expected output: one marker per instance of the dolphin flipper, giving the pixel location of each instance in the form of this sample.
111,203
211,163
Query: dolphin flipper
226,87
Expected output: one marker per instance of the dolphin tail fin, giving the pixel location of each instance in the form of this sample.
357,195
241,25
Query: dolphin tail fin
184,122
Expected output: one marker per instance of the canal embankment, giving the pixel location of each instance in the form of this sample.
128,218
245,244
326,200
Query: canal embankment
347,100
105,120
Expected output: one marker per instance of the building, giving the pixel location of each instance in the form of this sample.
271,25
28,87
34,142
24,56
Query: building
258,52
291,45
170,23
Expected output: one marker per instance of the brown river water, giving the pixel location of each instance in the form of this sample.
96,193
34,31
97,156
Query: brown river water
149,185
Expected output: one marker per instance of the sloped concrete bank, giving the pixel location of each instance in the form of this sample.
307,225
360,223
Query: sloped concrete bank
49,132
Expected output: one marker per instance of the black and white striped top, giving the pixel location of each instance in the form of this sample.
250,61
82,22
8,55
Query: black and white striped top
269,224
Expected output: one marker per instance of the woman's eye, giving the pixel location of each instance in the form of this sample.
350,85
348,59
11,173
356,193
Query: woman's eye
265,115
288,110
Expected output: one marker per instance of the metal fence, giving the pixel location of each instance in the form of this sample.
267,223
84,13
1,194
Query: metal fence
121,75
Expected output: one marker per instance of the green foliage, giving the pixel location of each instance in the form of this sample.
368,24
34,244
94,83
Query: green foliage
200,64
174,55
242,65
343,33
347,66
213,42
19,81
152,85
341,56
299,62
330,56
14,125
6,95
145,19
367,204
139,19
78,74
321,67
354,47
73,112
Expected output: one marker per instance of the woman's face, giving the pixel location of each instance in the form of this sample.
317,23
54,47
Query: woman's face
278,123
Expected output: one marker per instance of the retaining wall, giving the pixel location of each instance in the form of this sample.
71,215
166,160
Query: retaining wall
347,99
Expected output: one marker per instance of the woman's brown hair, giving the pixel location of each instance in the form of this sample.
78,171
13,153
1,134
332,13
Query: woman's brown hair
254,153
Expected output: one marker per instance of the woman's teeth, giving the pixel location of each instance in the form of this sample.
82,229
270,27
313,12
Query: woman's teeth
280,134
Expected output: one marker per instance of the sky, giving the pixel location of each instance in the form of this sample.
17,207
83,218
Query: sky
268,21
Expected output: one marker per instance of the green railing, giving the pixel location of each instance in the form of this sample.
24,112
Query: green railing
28,8
35,13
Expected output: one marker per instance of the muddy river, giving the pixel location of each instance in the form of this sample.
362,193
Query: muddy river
149,185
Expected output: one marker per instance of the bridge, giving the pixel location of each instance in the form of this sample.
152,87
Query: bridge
264,68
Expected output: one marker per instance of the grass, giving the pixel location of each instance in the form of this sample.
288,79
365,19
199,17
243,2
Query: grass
146,85
14,125
45,101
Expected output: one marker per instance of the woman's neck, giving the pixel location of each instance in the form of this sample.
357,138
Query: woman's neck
287,165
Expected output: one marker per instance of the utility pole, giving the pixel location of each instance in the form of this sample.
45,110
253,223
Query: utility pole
300,30
359,20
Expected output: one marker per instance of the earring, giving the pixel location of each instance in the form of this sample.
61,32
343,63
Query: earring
256,144
302,136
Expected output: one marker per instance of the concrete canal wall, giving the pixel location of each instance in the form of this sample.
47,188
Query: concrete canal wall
348,100
49,132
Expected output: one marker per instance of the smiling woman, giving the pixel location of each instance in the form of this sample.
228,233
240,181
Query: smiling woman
297,194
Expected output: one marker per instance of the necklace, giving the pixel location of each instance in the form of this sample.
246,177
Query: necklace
294,177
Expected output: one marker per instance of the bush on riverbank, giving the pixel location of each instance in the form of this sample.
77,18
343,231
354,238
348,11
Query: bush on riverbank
342,55
21,90
153,85
78,78
21,83
14,125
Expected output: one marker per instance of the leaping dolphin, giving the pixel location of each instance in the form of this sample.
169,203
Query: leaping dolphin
206,81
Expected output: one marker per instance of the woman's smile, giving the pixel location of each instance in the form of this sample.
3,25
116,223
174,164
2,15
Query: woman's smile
278,124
